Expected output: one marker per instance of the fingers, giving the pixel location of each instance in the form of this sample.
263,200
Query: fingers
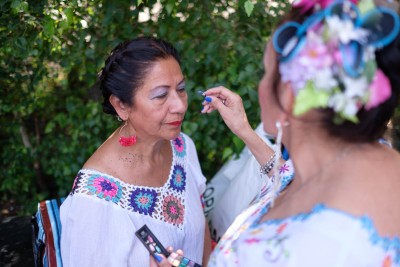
220,92
212,103
159,260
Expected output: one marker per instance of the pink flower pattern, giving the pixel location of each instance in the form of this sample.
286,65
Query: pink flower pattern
173,210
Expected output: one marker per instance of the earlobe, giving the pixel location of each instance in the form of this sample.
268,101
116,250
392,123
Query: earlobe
119,107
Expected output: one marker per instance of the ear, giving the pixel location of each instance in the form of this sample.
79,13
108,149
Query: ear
121,108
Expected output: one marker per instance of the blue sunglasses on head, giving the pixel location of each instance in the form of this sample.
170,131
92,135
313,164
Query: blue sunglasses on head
382,24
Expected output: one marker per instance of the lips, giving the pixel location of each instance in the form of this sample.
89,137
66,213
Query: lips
175,123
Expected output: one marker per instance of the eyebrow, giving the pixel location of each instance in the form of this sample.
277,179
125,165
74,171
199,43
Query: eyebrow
167,86
182,82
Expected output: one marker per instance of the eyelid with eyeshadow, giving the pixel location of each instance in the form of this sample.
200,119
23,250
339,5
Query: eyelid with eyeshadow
181,87
158,92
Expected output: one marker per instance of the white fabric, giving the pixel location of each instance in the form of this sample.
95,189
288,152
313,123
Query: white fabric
233,188
323,237
99,229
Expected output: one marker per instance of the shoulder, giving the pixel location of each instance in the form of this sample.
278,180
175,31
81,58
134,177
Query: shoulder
370,184
186,137
104,159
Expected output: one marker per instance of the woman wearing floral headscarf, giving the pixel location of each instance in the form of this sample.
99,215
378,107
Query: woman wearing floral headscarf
331,85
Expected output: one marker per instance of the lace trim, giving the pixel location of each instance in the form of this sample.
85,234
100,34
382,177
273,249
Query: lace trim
166,203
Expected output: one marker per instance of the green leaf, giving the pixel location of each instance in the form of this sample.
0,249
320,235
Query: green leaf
19,6
309,98
370,69
21,43
248,6
170,6
69,13
365,5
139,2
48,27
227,153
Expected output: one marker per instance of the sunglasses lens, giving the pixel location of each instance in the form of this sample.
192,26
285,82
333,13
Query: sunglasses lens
284,34
383,26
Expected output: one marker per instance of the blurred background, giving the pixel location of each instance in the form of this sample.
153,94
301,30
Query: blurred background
50,105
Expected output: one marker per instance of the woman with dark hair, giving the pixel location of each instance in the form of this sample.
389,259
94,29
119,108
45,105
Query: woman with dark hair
146,172
330,87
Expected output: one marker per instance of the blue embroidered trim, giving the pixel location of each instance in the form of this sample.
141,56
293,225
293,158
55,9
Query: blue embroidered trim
387,243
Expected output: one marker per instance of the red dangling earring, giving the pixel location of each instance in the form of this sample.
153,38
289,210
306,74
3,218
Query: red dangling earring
127,141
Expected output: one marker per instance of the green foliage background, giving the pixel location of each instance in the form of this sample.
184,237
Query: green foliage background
51,51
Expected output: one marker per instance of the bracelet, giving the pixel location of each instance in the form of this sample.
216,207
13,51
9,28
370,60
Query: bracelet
269,165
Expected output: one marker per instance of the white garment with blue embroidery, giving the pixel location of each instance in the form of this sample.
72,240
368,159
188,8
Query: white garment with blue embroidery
100,216
323,237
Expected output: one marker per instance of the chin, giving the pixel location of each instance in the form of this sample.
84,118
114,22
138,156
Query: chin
173,134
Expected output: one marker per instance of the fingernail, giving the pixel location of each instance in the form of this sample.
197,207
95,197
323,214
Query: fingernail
208,99
157,257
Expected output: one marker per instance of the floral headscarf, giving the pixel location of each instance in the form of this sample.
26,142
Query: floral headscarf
330,58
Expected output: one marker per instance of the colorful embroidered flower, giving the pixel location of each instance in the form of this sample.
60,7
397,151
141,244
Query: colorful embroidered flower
281,227
387,262
178,180
143,201
252,241
105,188
173,210
180,146
284,168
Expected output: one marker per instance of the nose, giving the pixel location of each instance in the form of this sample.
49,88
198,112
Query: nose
178,103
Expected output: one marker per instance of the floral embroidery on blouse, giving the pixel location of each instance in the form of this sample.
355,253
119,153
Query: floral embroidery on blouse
286,174
143,200
105,187
180,146
387,262
284,168
274,245
166,203
173,210
178,180
272,239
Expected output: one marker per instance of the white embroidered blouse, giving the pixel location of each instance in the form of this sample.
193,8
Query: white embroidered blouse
322,237
100,216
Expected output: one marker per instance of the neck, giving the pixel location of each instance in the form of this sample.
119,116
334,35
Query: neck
149,149
314,153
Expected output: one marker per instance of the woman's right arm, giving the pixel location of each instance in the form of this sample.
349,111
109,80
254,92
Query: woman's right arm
230,107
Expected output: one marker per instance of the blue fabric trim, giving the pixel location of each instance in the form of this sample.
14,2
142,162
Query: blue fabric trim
387,243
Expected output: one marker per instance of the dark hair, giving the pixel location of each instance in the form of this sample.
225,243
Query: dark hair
127,65
372,123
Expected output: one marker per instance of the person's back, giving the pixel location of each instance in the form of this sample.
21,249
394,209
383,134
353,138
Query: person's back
330,87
